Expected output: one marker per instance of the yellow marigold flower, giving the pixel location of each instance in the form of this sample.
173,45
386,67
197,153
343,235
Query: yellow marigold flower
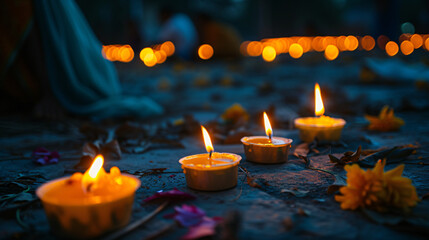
361,187
398,191
385,121
235,113
377,189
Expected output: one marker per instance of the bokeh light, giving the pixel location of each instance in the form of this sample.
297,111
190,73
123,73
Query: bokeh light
150,59
126,53
205,51
407,27
269,53
331,52
340,43
168,48
121,53
416,40
382,40
295,50
351,43
367,43
407,47
392,48
317,44
254,48
161,56
305,43
243,48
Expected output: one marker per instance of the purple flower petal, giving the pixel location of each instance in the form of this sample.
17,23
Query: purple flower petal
174,194
205,228
189,215
43,156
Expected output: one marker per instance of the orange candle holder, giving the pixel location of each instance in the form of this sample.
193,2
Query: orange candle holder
88,217
215,174
260,149
321,128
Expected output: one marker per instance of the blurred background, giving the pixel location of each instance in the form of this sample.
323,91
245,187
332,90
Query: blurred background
123,21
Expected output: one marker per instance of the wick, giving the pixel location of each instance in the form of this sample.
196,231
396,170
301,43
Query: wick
88,188
270,138
210,157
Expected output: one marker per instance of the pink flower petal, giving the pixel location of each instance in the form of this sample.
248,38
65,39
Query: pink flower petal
188,215
43,156
203,229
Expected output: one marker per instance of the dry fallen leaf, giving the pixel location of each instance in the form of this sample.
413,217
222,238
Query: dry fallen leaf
110,150
392,155
348,157
296,192
301,150
385,121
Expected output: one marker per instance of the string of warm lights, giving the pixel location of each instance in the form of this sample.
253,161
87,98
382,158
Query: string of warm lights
296,46
270,48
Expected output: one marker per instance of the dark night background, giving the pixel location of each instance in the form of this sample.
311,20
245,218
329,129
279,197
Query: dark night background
59,96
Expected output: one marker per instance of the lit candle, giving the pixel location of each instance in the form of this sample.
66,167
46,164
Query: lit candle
211,171
266,149
90,204
320,127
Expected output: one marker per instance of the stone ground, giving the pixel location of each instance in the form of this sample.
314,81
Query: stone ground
205,90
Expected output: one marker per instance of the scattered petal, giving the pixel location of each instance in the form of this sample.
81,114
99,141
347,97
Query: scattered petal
376,189
43,156
187,215
205,228
385,121
235,113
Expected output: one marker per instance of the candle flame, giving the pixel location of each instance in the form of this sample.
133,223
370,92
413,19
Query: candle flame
93,175
96,166
268,129
319,109
207,140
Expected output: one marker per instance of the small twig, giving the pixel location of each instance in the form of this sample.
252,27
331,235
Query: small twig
136,224
2,198
162,231
241,185
19,220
